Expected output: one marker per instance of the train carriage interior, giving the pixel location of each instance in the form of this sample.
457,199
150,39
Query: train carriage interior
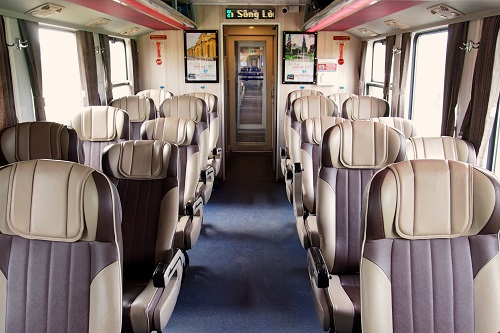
249,166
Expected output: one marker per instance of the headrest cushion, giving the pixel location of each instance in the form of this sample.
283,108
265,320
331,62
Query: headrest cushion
405,126
312,106
138,108
173,130
312,129
101,123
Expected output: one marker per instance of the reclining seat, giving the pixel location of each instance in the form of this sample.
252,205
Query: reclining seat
157,95
351,152
364,108
139,109
405,126
98,127
145,174
339,100
431,259
445,147
60,241
214,152
304,108
305,177
40,139
181,132
287,121
195,109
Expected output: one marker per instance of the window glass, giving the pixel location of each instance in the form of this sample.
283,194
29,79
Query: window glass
378,61
118,61
428,82
60,74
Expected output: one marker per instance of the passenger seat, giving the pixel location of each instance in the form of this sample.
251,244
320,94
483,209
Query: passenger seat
139,109
445,147
364,108
157,95
405,126
339,100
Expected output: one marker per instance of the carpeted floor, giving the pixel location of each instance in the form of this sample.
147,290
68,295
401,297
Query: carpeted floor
248,271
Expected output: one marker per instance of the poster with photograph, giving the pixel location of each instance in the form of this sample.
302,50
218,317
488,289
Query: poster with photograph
201,56
299,57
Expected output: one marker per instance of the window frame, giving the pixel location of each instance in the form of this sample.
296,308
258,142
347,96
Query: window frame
372,83
127,81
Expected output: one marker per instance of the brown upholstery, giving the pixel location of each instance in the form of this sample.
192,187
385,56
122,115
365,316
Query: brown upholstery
157,95
405,126
34,140
98,127
364,108
431,258
339,100
139,109
351,153
444,147
60,241
145,173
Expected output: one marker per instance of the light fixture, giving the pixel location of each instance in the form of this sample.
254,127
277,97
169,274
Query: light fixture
45,10
98,23
251,27
444,11
397,25
368,32
129,31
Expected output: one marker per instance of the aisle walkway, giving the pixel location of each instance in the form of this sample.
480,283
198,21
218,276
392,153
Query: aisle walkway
248,271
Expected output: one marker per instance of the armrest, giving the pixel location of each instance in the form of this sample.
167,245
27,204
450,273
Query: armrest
283,153
289,172
194,206
166,268
317,267
217,151
298,205
207,174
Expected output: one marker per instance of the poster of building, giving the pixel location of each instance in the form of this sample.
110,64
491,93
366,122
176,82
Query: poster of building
201,57
299,57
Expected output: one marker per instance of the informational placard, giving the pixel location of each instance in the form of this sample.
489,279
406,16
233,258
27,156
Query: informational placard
201,56
252,13
299,57
327,72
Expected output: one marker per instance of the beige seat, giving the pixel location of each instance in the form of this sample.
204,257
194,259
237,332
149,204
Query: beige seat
444,147
42,139
304,108
287,121
364,108
405,126
157,95
98,127
181,132
60,241
214,129
195,109
351,153
305,177
339,100
431,259
139,109
145,174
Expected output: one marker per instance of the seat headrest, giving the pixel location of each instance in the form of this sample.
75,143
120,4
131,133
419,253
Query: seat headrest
405,126
364,108
210,99
157,95
173,130
292,96
101,123
55,201
34,140
448,148
137,159
312,106
362,145
422,199
139,108
186,107
312,129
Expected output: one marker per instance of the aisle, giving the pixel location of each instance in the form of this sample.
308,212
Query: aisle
248,271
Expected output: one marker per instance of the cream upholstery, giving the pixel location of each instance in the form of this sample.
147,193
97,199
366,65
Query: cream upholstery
445,147
364,108
60,220
34,140
405,126
139,109
445,213
157,95
174,130
339,100
146,175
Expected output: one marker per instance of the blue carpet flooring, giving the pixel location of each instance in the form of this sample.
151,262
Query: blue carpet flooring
248,272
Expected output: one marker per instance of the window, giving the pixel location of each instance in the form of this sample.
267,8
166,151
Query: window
376,85
60,74
119,72
426,101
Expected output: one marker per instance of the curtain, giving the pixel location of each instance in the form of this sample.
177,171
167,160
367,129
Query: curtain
361,68
474,121
88,67
457,34
389,44
135,65
29,33
7,106
106,62
400,77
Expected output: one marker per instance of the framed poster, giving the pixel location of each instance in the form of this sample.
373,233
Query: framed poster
201,59
299,57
